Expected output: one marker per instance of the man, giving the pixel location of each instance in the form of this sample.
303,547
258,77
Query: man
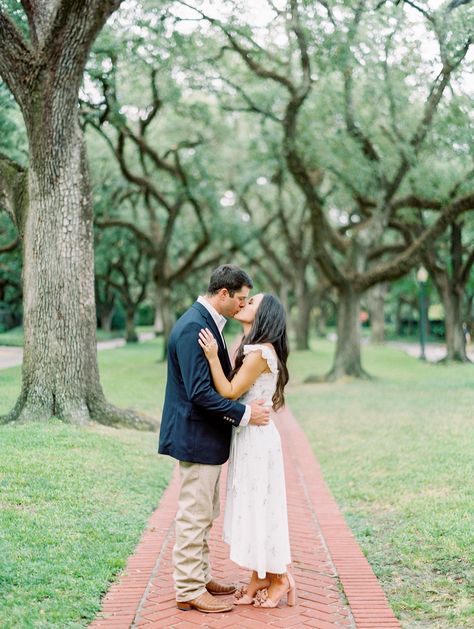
196,429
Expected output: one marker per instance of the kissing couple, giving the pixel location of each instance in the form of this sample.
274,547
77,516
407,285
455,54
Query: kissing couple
214,411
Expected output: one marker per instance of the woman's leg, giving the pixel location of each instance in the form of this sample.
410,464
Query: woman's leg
257,584
280,584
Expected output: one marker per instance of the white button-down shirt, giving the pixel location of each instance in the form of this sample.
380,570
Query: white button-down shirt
220,322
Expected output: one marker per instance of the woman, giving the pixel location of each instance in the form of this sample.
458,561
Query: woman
256,521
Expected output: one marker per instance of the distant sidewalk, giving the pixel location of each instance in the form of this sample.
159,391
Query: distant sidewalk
13,356
433,351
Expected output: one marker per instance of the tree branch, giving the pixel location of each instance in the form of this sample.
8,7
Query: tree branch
115,222
352,128
78,23
245,53
466,269
431,105
401,264
16,59
14,190
10,247
252,106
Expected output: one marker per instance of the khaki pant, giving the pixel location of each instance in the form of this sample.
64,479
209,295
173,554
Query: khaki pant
198,506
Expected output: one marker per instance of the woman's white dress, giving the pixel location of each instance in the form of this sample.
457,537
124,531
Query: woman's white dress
256,520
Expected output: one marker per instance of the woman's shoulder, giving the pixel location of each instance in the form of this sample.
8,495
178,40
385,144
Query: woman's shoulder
267,351
254,347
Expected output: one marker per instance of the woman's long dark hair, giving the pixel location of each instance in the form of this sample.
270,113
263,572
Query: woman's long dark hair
269,326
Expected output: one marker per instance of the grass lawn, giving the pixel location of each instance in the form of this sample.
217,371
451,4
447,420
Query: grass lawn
74,502
14,337
398,454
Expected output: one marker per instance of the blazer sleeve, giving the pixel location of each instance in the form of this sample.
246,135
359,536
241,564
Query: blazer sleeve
197,378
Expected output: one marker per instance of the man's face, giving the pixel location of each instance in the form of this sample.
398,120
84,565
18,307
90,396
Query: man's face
230,306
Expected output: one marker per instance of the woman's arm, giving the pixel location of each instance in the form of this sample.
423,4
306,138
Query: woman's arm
254,365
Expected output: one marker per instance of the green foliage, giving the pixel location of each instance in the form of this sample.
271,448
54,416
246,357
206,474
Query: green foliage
12,132
10,276
17,15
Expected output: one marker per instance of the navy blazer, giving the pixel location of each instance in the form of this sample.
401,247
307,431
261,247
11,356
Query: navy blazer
196,424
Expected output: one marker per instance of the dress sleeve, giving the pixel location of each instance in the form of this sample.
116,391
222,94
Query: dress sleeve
267,353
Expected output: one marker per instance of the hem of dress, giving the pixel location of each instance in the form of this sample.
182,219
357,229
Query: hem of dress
261,575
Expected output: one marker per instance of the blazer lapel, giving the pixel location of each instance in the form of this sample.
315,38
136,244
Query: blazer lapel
223,353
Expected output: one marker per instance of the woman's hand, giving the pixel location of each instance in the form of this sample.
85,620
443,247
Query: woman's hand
208,343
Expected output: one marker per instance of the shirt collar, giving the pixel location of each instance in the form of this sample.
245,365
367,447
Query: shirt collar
219,320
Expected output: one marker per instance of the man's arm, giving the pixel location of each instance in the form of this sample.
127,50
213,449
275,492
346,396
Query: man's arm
197,379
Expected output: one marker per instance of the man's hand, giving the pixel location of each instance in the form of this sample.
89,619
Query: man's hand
260,414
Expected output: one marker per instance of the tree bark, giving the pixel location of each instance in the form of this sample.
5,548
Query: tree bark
131,335
158,321
470,315
347,360
60,371
376,301
455,338
398,317
166,313
302,320
106,317
321,319
283,295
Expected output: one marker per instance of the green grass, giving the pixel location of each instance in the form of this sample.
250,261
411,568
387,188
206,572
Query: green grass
74,502
13,337
398,454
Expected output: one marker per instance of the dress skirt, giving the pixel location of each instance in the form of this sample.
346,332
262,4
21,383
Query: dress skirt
256,519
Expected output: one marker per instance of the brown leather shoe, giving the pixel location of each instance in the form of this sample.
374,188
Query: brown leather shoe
205,603
220,589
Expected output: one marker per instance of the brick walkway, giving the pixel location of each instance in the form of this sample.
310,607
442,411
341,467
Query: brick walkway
336,586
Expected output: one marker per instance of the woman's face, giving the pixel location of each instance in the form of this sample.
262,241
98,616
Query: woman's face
248,312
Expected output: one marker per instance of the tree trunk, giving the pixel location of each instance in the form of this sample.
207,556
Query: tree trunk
347,360
283,295
376,301
320,320
303,312
470,315
44,74
60,371
158,322
166,312
328,312
106,316
131,335
398,318
455,337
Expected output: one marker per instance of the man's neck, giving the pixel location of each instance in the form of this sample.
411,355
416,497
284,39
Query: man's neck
214,302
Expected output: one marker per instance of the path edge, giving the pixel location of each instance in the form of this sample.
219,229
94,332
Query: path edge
366,599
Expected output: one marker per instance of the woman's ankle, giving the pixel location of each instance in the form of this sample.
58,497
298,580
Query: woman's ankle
280,579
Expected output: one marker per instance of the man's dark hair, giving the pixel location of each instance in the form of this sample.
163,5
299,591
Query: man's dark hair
230,277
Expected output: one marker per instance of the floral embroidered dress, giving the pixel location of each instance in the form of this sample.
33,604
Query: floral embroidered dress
256,520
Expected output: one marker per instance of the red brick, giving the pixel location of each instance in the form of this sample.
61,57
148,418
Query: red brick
145,590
